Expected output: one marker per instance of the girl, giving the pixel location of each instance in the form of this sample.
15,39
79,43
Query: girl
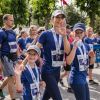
79,60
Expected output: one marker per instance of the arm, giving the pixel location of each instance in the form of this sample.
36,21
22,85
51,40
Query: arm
71,56
66,45
39,45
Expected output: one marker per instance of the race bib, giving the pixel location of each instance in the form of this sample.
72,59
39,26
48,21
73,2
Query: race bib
34,91
13,47
83,63
57,58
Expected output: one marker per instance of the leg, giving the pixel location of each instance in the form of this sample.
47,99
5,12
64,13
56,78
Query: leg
79,91
90,72
8,71
52,89
91,81
87,92
11,87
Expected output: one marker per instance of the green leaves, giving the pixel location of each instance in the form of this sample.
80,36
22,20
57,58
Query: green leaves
91,7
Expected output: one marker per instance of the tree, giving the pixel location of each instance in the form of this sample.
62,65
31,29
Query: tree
4,8
16,7
20,11
91,7
73,15
42,10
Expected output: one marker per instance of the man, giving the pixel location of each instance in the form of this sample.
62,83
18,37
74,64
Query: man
54,42
8,54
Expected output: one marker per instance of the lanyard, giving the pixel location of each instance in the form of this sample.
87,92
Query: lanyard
36,81
83,54
57,43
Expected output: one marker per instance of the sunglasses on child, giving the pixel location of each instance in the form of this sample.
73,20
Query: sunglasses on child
32,53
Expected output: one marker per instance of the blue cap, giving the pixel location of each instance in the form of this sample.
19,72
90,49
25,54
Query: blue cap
80,26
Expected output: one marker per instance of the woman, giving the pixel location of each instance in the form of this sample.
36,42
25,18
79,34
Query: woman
53,41
79,60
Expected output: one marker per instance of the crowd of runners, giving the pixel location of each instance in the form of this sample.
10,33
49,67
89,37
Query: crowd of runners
31,61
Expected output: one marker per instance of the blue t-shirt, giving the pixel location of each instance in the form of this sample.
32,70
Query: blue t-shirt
47,41
7,42
21,43
90,41
29,40
26,80
78,72
98,40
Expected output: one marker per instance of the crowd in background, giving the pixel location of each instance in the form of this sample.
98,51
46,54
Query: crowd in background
26,42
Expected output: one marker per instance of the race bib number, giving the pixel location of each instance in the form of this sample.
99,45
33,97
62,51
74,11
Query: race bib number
34,90
57,58
83,63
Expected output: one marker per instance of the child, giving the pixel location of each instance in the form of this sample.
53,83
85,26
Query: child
30,76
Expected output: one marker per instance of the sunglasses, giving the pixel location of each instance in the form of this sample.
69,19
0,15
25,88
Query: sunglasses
32,54
60,17
78,32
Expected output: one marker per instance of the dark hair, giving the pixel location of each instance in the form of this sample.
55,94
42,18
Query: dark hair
41,29
20,28
5,17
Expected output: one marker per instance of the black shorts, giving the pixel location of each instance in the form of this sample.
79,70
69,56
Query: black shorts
67,68
91,66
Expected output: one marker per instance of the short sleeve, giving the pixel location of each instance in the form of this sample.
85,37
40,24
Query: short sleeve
1,36
23,78
42,38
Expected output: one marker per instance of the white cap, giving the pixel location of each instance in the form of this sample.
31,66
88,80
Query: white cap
57,12
34,47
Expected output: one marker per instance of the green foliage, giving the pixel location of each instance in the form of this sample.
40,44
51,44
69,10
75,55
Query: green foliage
19,10
42,10
16,7
73,16
97,24
4,8
91,7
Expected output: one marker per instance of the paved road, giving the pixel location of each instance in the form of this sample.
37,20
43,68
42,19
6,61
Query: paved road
94,90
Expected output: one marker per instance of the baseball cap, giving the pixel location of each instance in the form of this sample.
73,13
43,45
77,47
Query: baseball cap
34,47
80,26
57,12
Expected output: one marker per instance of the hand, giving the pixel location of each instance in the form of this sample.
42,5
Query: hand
75,42
42,84
91,54
62,31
